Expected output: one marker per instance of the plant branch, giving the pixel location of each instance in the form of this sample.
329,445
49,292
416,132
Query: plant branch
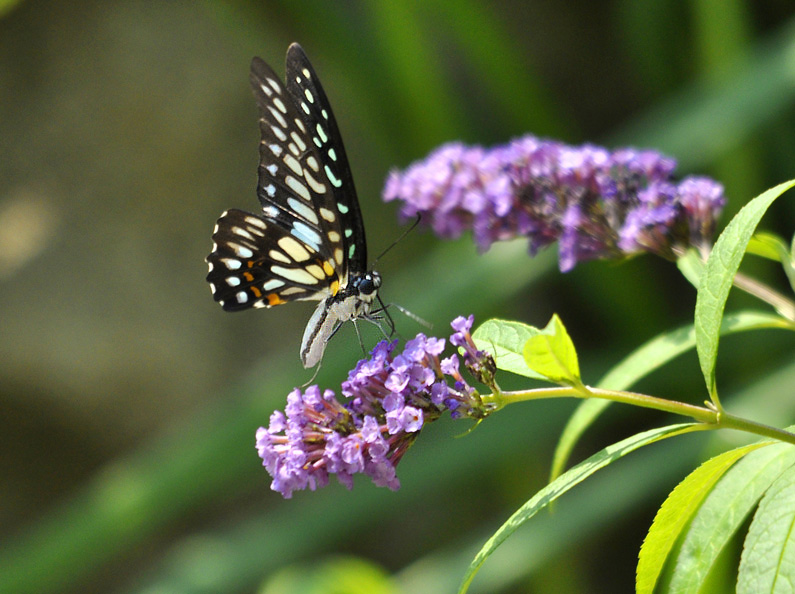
715,419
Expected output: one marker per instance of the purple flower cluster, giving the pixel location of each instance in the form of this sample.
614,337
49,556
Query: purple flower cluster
596,203
389,399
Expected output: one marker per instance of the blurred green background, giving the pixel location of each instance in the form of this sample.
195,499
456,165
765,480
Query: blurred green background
129,399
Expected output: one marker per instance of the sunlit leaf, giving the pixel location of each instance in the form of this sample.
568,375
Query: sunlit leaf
768,559
505,340
676,511
551,353
724,510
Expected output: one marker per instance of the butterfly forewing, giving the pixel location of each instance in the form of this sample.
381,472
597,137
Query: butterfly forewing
304,87
292,179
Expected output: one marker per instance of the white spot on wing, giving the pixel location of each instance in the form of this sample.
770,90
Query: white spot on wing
318,187
297,187
233,281
279,105
316,271
307,235
298,141
321,133
243,233
293,164
266,89
296,275
231,264
241,250
256,222
278,116
276,149
272,284
303,209
294,249
278,133
278,256
241,297
313,164
331,177
328,214
270,210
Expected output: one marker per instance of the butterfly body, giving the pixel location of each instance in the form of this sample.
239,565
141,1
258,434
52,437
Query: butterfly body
308,243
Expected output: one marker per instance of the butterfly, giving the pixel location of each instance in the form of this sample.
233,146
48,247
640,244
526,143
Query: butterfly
308,242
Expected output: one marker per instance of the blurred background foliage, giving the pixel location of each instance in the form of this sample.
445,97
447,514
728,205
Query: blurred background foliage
129,399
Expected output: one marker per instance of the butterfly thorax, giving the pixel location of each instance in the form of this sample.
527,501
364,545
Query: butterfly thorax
351,303
356,300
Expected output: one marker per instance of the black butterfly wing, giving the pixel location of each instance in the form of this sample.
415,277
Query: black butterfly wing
262,262
293,181
304,87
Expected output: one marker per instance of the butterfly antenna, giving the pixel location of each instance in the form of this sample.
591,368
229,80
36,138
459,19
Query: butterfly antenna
399,239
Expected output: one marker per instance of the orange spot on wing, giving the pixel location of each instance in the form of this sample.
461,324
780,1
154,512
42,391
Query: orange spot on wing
274,299
249,277
335,287
257,292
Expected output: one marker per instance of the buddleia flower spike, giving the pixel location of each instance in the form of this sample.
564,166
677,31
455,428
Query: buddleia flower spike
596,203
388,398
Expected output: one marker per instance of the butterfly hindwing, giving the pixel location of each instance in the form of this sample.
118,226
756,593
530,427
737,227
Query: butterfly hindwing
259,263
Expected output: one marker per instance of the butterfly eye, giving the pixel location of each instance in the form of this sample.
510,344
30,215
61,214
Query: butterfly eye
369,284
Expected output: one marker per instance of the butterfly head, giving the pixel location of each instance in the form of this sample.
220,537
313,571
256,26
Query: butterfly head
366,286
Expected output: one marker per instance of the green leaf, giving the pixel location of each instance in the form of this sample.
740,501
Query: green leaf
768,245
640,363
768,560
676,511
723,512
564,483
773,247
552,354
722,265
505,340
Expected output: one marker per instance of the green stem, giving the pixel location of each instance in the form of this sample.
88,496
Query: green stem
717,419
784,306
